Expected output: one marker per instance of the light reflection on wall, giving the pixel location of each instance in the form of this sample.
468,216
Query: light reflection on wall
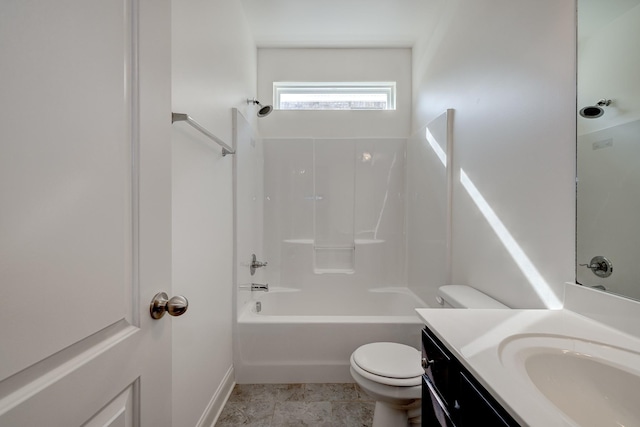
540,286
436,148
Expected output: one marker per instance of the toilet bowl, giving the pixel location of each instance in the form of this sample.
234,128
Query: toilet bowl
391,374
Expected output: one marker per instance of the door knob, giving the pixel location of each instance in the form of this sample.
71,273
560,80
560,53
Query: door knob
161,304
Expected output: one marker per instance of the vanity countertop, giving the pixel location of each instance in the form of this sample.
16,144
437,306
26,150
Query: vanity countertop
478,338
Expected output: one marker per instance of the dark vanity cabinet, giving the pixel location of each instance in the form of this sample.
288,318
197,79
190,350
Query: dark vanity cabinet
451,396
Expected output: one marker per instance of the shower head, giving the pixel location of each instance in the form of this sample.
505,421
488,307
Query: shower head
595,111
264,110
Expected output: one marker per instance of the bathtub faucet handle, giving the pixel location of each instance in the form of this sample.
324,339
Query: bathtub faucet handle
260,287
255,264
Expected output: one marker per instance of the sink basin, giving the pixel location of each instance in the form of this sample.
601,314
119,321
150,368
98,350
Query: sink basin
591,383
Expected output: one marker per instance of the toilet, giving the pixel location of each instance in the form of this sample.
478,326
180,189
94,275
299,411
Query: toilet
391,373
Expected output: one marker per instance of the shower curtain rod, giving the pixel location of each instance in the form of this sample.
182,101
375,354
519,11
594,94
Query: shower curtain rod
182,117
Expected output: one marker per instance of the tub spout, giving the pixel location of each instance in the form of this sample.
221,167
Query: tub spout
260,287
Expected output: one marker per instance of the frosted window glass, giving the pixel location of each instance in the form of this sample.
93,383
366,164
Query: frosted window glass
334,96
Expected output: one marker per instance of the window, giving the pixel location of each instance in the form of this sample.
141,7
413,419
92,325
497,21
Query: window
334,95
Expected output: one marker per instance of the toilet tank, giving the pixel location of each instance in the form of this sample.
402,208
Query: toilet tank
459,296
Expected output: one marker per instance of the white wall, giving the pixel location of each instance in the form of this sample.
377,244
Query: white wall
507,68
335,65
294,165
214,70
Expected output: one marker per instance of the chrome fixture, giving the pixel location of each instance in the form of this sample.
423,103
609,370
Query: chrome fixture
426,363
255,287
260,287
258,306
600,266
181,117
595,111
161,304
255,264
264,110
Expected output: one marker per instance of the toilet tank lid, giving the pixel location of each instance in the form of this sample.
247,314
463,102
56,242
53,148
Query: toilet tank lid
461,296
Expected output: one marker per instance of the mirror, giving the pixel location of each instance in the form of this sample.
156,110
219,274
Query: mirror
608,150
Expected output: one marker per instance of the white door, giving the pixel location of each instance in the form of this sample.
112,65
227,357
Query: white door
85,212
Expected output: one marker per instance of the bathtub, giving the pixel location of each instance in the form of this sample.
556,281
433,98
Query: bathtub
306,336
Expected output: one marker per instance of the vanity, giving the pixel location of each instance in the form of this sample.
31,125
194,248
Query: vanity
451,396
546,368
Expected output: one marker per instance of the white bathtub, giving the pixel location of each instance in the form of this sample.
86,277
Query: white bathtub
308,336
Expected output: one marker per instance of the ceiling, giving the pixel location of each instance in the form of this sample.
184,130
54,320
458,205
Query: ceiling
375,23
338,23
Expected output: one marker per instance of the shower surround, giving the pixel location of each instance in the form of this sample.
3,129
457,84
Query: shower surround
328,216
334,211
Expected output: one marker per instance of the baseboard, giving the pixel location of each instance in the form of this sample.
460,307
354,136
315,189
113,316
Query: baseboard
293,373
220,397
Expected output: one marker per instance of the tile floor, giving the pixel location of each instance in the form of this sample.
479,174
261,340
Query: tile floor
296,405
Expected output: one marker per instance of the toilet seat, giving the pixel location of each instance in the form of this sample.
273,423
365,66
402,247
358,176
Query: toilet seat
388,363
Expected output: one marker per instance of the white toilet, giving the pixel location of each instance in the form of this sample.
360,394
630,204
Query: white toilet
391,373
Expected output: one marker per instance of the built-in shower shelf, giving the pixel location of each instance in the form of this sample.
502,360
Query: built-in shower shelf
334,270
328,259
299,241
311,242
368,241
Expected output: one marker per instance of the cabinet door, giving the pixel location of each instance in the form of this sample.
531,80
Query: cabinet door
437,366
434,412
477,408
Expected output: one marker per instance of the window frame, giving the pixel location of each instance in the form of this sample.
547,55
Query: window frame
313,88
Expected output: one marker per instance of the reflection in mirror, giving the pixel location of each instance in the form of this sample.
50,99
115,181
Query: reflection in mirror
608,199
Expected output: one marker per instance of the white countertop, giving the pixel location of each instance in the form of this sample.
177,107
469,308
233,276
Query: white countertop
476,336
